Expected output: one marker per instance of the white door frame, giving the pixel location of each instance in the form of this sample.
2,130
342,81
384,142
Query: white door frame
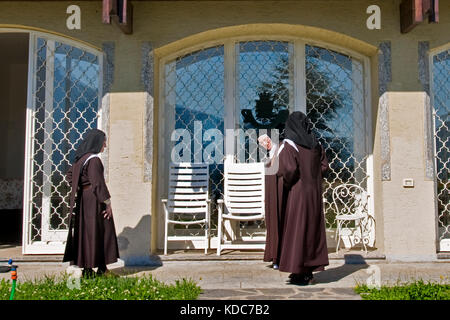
441,243
53,240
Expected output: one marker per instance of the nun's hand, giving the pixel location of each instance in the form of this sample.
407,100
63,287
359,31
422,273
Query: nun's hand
265,142
107,214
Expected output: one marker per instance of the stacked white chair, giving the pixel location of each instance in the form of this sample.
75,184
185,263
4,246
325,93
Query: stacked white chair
188,199
243,200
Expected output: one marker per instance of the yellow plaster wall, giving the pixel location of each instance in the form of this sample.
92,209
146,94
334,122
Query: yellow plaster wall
173,26
130,195
409,219
164,22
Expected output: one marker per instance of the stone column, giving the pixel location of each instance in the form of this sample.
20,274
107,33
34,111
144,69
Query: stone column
130,193
409,218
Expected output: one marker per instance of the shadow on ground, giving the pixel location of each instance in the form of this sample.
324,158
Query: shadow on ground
353,263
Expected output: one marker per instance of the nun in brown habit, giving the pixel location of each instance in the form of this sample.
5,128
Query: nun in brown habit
92,241
302,164
274,204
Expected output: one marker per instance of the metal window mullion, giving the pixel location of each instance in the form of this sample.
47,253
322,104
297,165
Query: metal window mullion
231,121
368,107
433,115
170,100
230,84
369,136
48,144
158,219
29,145
359,123
299,76
67,110
100,110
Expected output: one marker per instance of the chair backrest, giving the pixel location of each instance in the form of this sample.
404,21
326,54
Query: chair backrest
244,188
188,188
350,199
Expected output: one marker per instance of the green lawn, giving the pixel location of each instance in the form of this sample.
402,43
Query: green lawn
100,288
418,290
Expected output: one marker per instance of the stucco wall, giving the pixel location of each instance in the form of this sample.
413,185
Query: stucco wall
130,195
408,213
163,23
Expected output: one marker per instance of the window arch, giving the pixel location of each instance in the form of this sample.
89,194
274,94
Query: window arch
63,102
228,84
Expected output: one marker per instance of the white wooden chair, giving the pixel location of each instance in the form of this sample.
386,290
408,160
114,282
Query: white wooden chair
188,200
351,203
243,199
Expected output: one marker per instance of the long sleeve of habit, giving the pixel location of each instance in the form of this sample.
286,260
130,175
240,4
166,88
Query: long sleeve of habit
324,162
97,180
288,166
69,175
272,156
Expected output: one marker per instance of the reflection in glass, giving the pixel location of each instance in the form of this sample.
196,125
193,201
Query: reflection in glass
265,87
335,105
197,92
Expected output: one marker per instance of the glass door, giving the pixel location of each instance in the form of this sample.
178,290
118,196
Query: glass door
63,103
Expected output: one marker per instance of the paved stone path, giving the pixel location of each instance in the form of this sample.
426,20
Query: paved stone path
254,280
294,293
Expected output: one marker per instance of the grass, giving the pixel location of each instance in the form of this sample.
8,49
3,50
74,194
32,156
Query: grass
418,290
100,288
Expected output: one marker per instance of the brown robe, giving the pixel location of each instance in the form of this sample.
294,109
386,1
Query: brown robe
275,200
92,240
304,246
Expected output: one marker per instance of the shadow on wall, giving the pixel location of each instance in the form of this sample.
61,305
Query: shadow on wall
134,245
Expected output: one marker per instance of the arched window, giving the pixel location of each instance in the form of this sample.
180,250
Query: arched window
64,100
250,86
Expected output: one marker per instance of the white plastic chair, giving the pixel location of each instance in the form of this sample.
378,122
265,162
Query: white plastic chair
351,203
188,198
243,199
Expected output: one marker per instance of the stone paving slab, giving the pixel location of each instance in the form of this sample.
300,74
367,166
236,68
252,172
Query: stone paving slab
254,280
279,294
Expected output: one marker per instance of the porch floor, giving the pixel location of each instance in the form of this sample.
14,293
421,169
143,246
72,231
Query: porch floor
11,251
14,251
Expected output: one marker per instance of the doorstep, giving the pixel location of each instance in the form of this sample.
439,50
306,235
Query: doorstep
349,256
14,252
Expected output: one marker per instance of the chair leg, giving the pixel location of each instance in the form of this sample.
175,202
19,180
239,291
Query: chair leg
206,236
362,237
338,236
166,230
219,231
208,228
206,241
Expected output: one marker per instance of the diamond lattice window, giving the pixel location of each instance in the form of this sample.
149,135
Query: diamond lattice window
441,106
65,94
198,97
